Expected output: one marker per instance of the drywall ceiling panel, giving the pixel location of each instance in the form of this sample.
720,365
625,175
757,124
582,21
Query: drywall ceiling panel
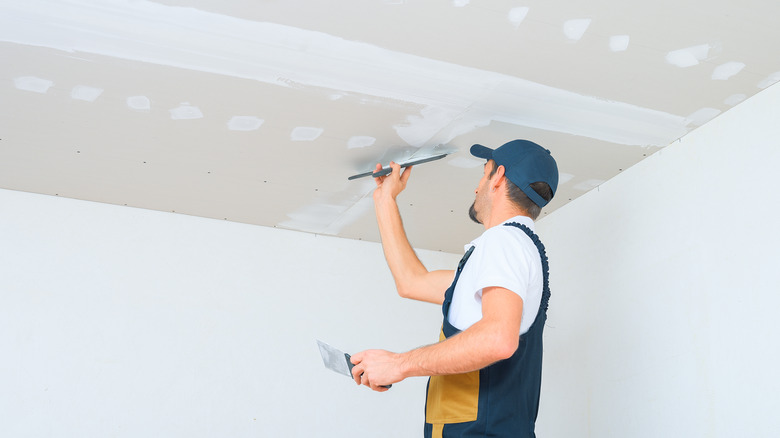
258,112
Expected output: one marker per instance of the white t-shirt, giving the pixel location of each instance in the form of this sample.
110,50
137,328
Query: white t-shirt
504,256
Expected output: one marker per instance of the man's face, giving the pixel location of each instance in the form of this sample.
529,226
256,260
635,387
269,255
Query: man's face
480,205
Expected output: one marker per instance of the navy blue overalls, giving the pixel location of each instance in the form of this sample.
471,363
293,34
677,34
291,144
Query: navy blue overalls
501,400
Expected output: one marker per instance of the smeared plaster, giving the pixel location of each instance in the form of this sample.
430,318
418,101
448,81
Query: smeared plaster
460,3
305,133
330,213
588,185
734,99
420,129
139,103
689,56
465,162
619,43
517,15
727,70
185,111
85,93
563,178
32,83
703,116
575,29
452,98
769,80
244,123
360,141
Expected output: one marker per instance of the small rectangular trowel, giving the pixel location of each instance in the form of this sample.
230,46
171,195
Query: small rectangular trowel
388,170
336,360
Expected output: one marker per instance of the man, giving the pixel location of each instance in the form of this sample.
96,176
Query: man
486,369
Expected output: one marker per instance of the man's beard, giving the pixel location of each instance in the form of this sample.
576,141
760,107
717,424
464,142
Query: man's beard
473,213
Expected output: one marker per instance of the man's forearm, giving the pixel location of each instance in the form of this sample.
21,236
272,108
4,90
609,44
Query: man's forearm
400,256
470,350
493,338
412,279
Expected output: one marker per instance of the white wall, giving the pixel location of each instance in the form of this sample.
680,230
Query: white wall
666,289
131,323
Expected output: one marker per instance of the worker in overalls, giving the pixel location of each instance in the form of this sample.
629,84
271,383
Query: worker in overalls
486,370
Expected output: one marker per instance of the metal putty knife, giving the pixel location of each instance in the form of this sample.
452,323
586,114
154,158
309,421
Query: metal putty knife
388,170
336,360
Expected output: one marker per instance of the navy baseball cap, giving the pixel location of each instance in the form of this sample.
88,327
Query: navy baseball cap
525,162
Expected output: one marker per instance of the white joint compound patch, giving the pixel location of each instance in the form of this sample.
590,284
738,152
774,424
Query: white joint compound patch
360,141
575,29
771,79
244,123
85,93
185,111
703,116
305,133
563,178
619,43
139,103
725,71
735,99
588,185
689,56
31,83
517,15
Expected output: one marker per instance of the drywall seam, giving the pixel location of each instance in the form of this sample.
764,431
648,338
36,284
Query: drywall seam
461,97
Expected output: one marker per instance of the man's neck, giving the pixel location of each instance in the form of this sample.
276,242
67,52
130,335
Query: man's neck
499,218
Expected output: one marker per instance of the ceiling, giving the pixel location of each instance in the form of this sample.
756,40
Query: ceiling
258,111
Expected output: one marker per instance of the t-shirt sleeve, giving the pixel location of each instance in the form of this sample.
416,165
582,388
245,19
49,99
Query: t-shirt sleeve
502,263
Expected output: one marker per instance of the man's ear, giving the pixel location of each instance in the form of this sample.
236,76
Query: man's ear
498,178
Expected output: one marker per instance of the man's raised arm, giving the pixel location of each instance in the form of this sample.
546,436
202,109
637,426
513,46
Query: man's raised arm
412,279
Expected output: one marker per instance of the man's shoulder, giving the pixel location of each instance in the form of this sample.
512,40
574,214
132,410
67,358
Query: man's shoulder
505,237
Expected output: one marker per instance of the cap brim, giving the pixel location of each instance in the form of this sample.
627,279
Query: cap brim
480,151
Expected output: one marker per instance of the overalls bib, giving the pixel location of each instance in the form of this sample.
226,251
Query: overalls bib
500,400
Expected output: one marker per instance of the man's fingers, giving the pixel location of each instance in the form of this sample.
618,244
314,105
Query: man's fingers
378,180
380,388
396,169
356,375
405,175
